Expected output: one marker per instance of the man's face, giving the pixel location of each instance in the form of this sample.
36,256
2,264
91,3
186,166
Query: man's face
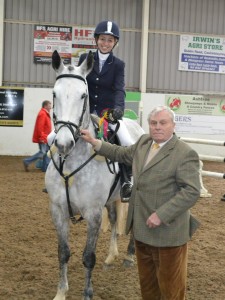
161,127
48,107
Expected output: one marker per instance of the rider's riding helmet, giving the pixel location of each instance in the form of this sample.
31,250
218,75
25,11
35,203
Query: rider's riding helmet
107,27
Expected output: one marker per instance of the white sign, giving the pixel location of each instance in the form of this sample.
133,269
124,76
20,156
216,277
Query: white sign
202,54
82,42
198,114
48,38
198,124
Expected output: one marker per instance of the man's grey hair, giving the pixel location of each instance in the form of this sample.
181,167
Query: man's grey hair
158,109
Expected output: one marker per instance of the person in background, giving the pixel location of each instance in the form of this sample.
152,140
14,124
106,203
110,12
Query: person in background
107,89
42,128
166,186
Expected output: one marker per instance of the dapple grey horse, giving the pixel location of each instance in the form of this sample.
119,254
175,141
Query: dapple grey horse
78,184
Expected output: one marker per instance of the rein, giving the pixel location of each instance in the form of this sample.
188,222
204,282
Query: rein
66,180
76,135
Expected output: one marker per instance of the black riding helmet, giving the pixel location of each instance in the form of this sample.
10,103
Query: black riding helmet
107,27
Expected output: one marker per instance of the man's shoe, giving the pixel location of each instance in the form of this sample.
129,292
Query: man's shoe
25,166
125,191
45,191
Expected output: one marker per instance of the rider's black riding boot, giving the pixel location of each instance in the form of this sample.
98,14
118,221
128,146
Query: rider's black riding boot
126,185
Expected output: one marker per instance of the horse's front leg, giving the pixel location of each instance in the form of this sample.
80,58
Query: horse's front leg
89,256
62,228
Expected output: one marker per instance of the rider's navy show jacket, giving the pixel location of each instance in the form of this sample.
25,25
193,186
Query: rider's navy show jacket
106,88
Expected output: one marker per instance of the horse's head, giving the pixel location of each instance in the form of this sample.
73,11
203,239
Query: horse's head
70,101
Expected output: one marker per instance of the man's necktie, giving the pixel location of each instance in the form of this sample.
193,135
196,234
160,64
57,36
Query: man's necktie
152,152
155,146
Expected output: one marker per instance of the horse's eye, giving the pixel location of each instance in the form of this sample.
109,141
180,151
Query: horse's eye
54,95
83,96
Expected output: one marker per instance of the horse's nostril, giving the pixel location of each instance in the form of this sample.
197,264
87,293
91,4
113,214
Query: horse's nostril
56,144
64,148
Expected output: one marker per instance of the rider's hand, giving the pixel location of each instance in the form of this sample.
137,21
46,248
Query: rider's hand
113,115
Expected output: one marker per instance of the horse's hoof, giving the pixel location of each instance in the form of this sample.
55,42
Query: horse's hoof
88,295
87,298
107,267
111,259
128,263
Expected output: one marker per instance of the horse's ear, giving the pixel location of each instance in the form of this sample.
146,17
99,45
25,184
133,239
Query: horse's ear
87,65
56,60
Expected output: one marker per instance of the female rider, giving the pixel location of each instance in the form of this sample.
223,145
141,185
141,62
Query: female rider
107,88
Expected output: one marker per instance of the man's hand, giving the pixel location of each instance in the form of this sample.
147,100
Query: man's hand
153,221
85,134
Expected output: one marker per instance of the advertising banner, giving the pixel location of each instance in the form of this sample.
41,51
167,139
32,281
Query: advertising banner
82,42
202,54
198,114
11,107
48,38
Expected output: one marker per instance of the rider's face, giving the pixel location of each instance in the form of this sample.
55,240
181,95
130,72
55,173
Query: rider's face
106,43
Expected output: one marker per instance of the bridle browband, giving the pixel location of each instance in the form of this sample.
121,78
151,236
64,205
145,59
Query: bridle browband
71,76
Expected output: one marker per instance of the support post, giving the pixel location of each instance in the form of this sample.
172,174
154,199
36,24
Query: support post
2,10
203,192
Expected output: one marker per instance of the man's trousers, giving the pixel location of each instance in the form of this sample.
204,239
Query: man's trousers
162,271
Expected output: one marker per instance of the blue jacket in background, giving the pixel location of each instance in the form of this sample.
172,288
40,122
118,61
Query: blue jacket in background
106,88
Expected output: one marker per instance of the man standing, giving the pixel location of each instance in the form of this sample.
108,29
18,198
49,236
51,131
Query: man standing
166,186
42,129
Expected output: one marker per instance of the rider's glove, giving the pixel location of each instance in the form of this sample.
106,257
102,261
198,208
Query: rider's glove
113,115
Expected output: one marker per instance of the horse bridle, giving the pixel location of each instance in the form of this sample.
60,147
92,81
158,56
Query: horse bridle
76,135
68,124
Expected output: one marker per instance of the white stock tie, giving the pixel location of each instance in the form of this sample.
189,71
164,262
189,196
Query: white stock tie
101,64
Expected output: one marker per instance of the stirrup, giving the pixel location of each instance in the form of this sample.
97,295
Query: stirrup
125,192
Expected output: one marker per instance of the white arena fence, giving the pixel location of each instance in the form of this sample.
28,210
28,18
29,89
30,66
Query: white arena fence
204,192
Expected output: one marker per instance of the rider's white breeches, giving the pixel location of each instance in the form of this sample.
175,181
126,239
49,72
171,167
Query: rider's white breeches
123,134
